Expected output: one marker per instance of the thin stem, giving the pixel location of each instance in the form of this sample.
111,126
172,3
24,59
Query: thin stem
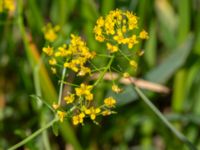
125,56
61,86
104,71
164,120
45,133
36,133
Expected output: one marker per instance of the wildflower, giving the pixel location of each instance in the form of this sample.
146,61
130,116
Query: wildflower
92,112
69,99
48,50
119,26
84,70
55,106
71,65
61,115
78,53
50,32
133,63
84,90
126,75
78,118
52,61
140,52
106,112
116,89
8,5
112,48
53,69
63,51
143,35
110,102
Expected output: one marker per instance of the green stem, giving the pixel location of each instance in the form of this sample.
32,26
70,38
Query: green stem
104,71
36,133
164,120
61,86
45,133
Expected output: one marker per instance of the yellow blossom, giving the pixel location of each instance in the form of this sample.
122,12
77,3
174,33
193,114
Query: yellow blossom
61,115
83,71
8,5
48,50
106,112
78,118
140,52
53,69
133,63
52,61
71,65
116,88
69,99
119,26
112,48
143,35
110,102
55,105
50,33
84,90
100,21
126,75
92,112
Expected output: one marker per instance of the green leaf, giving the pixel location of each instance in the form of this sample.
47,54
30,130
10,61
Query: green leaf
55,128
41,101
169,66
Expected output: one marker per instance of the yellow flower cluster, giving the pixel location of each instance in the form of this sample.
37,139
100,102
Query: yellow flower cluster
117,28
50,32
75,55
83,107
84,90
7,5
79,54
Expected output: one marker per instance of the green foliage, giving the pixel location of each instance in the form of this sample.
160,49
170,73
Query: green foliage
171,58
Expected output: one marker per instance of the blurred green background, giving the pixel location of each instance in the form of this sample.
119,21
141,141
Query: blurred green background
172,58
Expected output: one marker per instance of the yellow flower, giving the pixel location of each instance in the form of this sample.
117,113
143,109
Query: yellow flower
50,33
78,118
133,63
53,69
112,48
84,90
110,102
100,21
61,115
143,35
120,27
52,61
71,65
106,112
7,5
63,51
69,99
83,71
132,41
116,89
92,112
55,105
126,75
48,50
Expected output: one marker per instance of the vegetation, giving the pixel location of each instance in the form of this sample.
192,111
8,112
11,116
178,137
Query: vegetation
69,81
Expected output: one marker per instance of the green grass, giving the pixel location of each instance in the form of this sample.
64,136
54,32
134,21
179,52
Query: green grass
171,58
